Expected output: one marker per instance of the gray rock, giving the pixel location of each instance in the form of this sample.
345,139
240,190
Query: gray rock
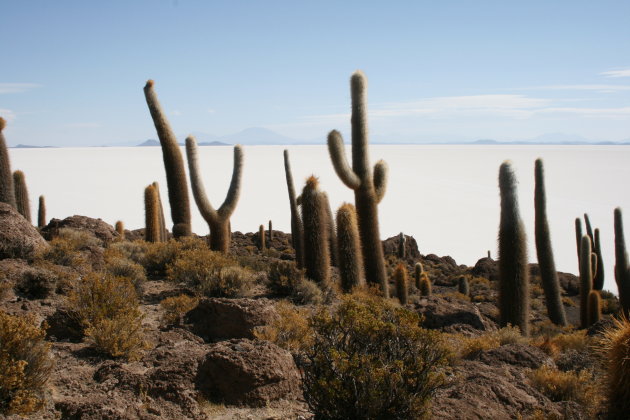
18,238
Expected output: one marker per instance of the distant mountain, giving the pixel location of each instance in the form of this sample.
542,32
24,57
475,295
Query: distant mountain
28,146
150,142
213,143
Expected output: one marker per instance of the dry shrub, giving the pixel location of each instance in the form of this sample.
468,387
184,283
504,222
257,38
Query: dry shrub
159,255
565,386
25,364
610,302
308,292
175,307
119,266
102,303
576,340
615,348
467,347
135,251
371,359
567,301
290,330
210,273
285,279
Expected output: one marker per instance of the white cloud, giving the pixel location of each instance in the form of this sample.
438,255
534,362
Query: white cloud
597,87
83,125
616,73
623,112
176,113
7,114
211,111
17,87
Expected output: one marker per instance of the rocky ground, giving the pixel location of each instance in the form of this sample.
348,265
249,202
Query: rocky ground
211,365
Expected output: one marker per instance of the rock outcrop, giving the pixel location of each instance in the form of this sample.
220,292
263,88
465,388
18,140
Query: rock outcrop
18,238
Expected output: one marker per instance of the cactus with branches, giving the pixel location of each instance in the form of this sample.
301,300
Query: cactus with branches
218,220
369,186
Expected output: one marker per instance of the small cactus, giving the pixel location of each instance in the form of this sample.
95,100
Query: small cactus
369,187
622,271
173,164
513,270
7,192
425,285
270,232
462,286
349,248
594,307
578,236
41,212
315,222
400,279
151,215
21,195
218,220
544,252
586,279
402,249
598,277
297,230
161,219
261,238
120,229
418,270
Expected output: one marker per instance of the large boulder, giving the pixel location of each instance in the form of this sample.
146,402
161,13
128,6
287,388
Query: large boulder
451,314
101,230
18,238
248,372
390,246
487,268
515,355
220,318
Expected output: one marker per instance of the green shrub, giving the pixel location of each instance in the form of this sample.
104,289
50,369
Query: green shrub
25,365
371,359
107,308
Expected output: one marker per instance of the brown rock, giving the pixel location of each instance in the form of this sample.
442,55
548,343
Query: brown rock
515,355
18,238
450,313
242,371
487,268
220,318
101,230
390,247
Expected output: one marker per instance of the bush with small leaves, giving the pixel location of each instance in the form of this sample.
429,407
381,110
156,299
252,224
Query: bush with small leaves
107,308
175,307
283,276
25,364
565,386
160,254
135,251
371,359
468,347
124,267
307,292
290,330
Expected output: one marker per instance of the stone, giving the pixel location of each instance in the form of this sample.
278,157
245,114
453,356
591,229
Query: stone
441,312
18,238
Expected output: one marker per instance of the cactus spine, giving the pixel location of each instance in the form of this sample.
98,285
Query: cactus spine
546,263
173,164
594,307
369,188
349,248
586,279
463,286
622,271
261,237
41,212
7,192
513,271
218,220
120,229
297,230
151,215
400,279
616,348
598,277
316,244
161,219
22,202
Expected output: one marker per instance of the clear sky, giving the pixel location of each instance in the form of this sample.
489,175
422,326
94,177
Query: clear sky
72,72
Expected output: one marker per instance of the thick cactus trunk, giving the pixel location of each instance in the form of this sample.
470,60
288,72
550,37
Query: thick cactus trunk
622,271
21,195
349,248
7,191
316,245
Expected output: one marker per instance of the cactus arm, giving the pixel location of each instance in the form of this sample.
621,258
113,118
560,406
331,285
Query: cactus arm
340,162
205,208
358,94
228,206
381,171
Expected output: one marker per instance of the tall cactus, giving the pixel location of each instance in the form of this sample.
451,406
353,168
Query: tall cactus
586,279
270,232
402,249
369,188
594,311
622,271
578,236
598,278
402,287
548,274
41,212
297,230
218,220
589,230
332,233
261,238
161,219
151,215
418,270
513,271
349,248
120,229
315,222
7,192
21,195
173,164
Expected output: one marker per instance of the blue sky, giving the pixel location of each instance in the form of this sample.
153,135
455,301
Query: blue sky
72,72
